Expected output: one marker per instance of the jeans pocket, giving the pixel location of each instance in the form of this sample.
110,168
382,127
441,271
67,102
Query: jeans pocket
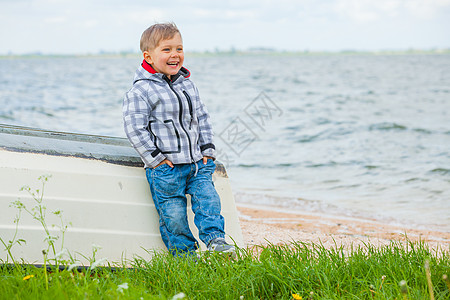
161,167
165,180
211,165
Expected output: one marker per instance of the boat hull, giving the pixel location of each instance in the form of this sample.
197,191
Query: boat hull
106,201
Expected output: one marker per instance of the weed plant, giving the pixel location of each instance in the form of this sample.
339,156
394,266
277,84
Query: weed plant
292,271
296,270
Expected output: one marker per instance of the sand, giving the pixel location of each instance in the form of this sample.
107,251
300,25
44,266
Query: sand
264,225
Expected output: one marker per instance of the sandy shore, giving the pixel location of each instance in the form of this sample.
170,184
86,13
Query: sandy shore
261,226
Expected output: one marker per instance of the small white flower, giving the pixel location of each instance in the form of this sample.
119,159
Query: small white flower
403,287
97,263
60,254
179,296
71,267
51,239
96,247
121,287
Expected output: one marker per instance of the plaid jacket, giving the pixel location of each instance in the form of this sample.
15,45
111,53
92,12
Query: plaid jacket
166,119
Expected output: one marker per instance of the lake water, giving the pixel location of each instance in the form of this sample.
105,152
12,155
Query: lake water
351,135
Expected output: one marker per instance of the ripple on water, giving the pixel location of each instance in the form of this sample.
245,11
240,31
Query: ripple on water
363,124
385,126
440,171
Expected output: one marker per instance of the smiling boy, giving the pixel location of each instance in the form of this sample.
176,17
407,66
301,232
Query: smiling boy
169,126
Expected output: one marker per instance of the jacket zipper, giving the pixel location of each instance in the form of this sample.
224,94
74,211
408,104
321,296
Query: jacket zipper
191,113
180,116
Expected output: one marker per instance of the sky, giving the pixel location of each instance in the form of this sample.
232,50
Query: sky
91,26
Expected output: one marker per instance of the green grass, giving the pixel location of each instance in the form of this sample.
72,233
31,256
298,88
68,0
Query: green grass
273,272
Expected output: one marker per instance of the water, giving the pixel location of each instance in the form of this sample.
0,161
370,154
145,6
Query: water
360,135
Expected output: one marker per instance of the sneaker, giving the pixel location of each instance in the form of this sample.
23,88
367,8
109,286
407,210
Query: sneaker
219,245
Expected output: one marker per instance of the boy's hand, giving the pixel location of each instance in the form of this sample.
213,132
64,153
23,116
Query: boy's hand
166,161
205,159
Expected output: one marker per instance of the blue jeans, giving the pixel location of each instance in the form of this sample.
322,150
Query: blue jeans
169,187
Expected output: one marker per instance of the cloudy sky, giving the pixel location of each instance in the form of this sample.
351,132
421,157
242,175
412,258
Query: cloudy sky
89,26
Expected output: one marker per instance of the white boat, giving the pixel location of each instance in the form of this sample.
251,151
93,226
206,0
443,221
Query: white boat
99,185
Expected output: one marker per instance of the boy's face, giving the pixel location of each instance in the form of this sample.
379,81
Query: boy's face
168,57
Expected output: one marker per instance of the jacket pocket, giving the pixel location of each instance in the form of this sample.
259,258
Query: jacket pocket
166,136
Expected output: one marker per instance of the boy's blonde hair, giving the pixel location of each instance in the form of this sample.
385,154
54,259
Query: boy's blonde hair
153,35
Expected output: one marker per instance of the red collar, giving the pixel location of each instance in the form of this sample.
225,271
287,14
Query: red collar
148,67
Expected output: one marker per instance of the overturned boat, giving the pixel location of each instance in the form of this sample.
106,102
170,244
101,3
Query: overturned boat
96,198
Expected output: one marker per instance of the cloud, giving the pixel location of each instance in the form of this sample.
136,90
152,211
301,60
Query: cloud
55,20
426,9
371,11
114,25
146,17
224,14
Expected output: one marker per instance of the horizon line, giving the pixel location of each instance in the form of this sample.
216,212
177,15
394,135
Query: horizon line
251,50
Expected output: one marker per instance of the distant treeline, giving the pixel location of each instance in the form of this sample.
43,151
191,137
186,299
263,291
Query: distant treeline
250,51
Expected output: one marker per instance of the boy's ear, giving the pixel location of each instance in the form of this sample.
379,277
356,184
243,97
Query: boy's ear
147,57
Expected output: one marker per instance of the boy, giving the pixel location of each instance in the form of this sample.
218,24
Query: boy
169,126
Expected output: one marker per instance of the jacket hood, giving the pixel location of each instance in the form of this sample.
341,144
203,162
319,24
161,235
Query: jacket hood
146,72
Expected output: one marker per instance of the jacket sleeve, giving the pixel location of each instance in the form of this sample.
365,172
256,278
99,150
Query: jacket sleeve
206,134
136,115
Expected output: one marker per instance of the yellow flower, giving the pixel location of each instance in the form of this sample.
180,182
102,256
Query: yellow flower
297,297
28,277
